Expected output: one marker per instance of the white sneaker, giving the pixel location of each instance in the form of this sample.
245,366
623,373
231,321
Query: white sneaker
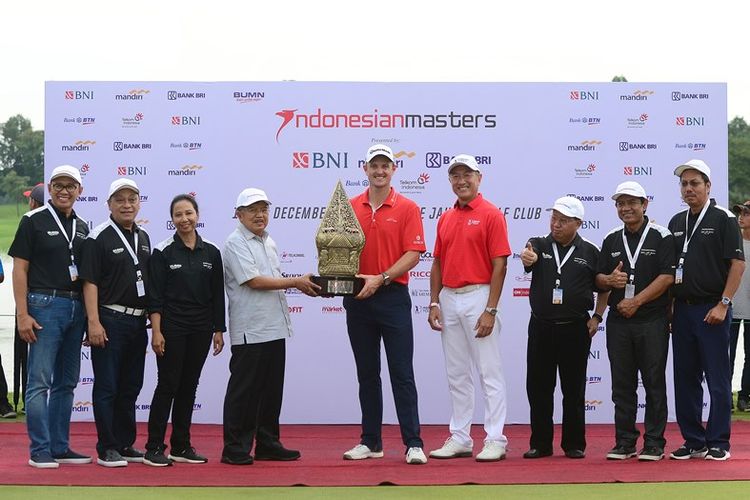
415,455
451,449
360,452
492,452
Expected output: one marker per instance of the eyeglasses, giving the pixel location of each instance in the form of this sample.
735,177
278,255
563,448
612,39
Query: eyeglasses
562,221
71,188
628,203
121,200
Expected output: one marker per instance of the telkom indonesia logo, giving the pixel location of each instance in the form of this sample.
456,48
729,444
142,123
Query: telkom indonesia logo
286,115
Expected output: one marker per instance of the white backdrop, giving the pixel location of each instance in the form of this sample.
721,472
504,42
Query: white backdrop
535,142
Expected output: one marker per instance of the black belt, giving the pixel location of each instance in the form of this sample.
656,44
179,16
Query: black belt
560,321
68,294
700,301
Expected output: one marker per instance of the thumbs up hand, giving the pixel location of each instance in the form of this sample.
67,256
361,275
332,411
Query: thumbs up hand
617,279
528,255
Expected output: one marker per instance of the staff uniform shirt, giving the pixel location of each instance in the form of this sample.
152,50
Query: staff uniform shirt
187,286
577,280
390,230
656,257
108,264
39,241
716,241
255,316
468,238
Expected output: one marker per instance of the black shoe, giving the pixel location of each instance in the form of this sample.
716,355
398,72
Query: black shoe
742,404
621,452
537,453
685,453
280,454
6,411
156,458
248,460
71,457
187,456
575,453
651,454
131,454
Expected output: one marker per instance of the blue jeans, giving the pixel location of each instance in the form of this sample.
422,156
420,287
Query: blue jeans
54,367
118,378
387,316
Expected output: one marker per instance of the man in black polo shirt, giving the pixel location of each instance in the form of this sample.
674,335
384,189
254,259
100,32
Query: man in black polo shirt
46,254
115,270
710,263
563,267
637,265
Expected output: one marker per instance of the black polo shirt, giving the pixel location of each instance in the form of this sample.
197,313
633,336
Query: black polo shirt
108,264
39,241
187,286
577,280
716,241
656,257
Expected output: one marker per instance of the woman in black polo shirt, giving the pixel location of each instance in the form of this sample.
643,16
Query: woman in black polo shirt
186,306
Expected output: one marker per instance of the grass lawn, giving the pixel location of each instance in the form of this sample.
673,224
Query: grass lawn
9,217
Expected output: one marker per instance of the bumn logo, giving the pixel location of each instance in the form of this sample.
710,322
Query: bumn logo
77,95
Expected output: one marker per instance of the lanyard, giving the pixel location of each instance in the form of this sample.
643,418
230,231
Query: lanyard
127,245
62,229
688,238
632,260
557,257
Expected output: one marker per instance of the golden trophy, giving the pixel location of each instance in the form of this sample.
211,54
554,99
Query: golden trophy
340,241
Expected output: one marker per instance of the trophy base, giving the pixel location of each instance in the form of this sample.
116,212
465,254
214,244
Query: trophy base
332,286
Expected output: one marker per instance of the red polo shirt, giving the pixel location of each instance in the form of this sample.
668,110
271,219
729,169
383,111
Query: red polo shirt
468,238
390,230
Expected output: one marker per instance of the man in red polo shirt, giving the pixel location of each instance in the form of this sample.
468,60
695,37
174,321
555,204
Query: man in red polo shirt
394,239
471,253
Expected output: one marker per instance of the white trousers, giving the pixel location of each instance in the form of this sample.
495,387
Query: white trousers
463,351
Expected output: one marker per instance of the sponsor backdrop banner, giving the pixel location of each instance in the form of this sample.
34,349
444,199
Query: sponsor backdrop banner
534,143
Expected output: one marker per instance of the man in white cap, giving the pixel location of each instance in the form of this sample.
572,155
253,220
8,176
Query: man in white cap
466,280
46,255
710,263
394,239
741,314
563,267
115,274
259,325
637,265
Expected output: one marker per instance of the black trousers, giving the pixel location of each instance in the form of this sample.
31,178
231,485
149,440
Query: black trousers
179,371
632,348
553,348
252,404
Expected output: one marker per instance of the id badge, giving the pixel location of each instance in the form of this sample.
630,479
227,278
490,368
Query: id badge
557,295
141,288
73,270
629,291
678,275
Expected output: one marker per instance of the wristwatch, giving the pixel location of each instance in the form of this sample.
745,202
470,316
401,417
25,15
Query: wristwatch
386,278
726,301
491,310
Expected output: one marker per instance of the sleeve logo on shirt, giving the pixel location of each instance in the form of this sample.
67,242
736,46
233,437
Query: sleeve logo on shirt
80,235
175,266
546,256
677,234
616,254
208,265
53,233
118,250
146,248
581,260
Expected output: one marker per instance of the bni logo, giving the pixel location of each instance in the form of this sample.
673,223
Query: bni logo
77,95
300,159
186,120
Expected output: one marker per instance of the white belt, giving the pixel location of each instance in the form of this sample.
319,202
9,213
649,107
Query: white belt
132,311
463,289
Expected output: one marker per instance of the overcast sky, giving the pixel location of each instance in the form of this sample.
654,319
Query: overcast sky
386,40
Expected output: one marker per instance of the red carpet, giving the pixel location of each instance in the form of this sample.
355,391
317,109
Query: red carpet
322,465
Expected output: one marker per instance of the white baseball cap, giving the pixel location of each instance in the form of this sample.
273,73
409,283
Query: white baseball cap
249,196
630,188
698,165
66,171
123,183
466,160
569,206
380,149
